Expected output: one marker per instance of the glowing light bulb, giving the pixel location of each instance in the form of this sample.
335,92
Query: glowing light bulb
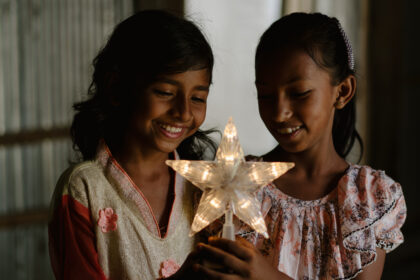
255,176
230,158
274,170
244,203
201,219
258,221
231,135
215,202
205,175
186,168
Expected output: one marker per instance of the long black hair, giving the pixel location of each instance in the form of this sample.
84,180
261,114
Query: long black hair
323,39
147,44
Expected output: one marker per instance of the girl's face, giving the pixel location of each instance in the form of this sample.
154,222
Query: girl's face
296,100
171,109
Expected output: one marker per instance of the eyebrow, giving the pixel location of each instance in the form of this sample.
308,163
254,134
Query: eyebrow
290,81
176,83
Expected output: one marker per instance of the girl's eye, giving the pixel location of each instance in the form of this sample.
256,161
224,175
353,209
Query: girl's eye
163,93
300,94
198,99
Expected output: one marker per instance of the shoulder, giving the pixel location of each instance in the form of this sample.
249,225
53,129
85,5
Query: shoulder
75,180
363,180
368,197
79,174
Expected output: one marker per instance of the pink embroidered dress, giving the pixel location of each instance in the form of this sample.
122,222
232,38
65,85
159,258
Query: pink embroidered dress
336,236
102,227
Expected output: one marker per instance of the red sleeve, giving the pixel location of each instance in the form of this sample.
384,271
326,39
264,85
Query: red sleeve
72,242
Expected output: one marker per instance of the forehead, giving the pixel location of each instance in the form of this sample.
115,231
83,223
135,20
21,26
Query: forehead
200,76
287,65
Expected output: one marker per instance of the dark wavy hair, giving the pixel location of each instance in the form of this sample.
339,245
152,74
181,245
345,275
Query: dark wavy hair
142,47
321,38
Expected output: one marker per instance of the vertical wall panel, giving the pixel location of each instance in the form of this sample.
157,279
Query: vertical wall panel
11,63
2,64
46,50
233,29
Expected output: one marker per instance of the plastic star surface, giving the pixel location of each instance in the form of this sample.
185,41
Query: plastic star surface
229,182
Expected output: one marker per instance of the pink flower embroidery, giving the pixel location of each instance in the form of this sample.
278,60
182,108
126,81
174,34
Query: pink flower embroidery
168,267
107,220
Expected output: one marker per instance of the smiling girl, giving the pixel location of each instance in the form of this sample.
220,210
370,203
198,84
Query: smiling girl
327,218
122,213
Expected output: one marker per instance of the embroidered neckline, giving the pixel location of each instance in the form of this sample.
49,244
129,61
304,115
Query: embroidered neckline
329,197
105,157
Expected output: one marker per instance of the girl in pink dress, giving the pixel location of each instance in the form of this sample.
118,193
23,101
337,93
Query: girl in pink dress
122,213
327,218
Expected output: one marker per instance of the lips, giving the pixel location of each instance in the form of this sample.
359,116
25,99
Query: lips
172,131
288,130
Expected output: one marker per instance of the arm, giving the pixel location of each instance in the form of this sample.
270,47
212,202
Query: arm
72,242
374,270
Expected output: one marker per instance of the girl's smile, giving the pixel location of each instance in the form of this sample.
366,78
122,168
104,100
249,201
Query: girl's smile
288,130
172,131
289,133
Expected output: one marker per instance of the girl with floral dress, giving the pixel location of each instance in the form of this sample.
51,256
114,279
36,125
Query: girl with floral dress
327,218
122,213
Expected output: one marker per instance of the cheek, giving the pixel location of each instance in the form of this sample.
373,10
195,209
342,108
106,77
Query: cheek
155,109
144,109
199,115
265,110
317,115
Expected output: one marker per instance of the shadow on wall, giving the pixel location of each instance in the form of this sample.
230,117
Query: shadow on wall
394,97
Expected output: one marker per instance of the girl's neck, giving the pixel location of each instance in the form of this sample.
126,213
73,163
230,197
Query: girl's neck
316,172
147,169
134,158
312,162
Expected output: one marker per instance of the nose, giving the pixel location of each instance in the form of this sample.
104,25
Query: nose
182,109
283,110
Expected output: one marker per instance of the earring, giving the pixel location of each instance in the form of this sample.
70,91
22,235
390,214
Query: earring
339,104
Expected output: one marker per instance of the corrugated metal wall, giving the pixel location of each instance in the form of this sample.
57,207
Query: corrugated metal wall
46,49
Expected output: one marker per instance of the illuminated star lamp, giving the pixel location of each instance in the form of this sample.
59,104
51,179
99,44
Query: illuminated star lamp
229,184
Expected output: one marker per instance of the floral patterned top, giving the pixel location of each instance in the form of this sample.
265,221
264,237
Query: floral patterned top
336,236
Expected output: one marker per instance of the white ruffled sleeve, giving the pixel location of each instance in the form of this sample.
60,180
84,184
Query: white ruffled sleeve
388,229
372,212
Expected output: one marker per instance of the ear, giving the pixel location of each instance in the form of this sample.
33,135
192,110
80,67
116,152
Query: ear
345,93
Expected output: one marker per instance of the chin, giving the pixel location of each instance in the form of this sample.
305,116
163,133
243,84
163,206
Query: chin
167,148
293,149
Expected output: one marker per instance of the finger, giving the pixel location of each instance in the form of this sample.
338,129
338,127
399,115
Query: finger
213,274
233,247
192,257
223,258
245,242
186,269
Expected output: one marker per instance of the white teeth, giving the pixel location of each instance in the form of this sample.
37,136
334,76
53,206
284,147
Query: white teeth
288,130
171,129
